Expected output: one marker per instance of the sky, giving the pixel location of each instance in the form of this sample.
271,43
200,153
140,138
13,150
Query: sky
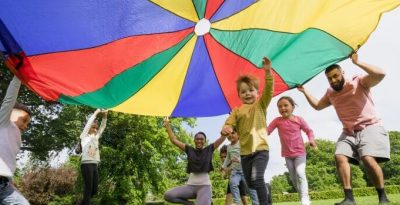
382,49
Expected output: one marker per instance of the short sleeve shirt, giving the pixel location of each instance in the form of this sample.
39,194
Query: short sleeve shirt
353,105
199,160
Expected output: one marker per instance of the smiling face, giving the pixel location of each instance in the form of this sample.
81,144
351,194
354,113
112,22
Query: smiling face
247,88
286,107
199,140
248,94
21,119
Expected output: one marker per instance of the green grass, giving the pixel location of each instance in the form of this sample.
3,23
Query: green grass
368,200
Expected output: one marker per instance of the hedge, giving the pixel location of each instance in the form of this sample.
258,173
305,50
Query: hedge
334,194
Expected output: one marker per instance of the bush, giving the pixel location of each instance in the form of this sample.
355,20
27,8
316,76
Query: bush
46,184
66,200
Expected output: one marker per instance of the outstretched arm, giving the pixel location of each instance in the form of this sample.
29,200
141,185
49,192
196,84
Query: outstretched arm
103,123
310,134
219,141
229,123
227,163
271,127
172,136
89,123
375,75
226,167
316,104
269,84
9,101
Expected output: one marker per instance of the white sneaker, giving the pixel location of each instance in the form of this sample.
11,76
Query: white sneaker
305,202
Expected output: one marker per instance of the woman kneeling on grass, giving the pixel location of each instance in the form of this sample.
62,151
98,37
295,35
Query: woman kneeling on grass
199,158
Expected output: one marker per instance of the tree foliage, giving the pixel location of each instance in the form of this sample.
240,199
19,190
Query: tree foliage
219,183
391,169
281,184
138,158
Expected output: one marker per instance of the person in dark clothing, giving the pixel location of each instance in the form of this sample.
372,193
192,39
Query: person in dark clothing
199,158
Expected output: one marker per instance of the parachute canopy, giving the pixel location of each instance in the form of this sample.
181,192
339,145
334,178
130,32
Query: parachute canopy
176,58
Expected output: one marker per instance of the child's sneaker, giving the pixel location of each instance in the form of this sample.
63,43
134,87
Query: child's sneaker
305,201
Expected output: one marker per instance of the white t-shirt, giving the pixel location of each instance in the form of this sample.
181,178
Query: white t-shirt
90,142
199,179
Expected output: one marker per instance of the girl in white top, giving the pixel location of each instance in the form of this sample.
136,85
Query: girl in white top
90,154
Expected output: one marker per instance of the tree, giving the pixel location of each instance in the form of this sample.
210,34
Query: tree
281,184
138,158
219,183
391,169
43,185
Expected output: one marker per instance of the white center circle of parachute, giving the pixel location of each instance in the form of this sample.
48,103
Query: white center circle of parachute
202,27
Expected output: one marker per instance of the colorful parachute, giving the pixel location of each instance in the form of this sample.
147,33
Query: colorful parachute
176,57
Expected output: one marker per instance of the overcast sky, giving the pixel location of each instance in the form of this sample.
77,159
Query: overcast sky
382,49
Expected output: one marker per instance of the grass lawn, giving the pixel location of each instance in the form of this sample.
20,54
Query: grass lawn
368,200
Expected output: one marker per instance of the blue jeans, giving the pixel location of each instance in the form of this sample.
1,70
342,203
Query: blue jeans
10,195
254,166
234,182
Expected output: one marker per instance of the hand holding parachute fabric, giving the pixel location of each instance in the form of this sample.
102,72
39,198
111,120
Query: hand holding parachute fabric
176,58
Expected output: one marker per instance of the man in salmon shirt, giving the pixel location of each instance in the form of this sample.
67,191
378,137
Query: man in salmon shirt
363,137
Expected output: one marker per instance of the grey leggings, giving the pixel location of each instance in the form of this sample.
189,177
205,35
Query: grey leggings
182,194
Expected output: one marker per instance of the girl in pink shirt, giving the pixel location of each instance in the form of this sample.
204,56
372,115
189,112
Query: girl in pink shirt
289,129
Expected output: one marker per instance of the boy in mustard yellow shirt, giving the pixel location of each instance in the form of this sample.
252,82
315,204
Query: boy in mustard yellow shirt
250,122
